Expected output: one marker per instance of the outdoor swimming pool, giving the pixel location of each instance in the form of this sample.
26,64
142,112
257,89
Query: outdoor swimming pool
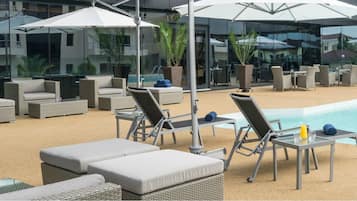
343,115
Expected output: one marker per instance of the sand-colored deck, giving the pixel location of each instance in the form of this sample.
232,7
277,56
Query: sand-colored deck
22,140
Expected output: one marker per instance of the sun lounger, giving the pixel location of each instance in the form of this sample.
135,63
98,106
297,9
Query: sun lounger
262,128
162,123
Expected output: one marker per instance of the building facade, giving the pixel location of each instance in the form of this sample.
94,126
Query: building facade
67,51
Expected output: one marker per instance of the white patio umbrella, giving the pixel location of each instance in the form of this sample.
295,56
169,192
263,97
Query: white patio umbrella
253,10
15,21
263,42
91,17
271,10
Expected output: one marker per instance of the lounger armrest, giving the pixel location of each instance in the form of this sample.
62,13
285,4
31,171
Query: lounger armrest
284,131
275,121
180,116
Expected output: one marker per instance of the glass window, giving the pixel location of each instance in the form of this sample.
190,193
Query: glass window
69,68
71,8
69,41
3,40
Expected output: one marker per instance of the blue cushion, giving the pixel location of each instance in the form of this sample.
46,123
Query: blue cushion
211,116
329,129
163,83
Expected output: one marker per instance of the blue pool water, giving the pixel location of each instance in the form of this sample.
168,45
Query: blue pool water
342,115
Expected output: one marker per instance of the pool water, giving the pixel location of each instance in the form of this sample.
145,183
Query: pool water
343,115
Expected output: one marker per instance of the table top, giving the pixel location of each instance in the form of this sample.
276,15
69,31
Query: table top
10,184
289,141
294,73
63,101
340,134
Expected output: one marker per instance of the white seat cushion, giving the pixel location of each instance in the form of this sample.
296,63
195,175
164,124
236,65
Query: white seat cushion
55,188
39,96
6,102
110,91
165,89
77,157
31,86
147,172
102,81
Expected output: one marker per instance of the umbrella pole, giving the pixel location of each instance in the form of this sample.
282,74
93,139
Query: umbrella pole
137,22
196,147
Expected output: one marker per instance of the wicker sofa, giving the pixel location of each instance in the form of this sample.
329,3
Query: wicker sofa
92,87
7,110
25,91
89,187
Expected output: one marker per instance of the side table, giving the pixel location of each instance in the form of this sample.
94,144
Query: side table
302,145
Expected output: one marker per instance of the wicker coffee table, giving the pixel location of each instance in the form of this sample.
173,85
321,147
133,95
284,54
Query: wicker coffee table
62,108
9,184
115,102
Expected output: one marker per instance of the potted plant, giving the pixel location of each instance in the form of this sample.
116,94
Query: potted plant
244,50
86,68
173,42
35,66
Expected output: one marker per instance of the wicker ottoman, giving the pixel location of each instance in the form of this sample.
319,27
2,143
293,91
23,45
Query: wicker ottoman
65,162
7,110
116,102
167,95
164,175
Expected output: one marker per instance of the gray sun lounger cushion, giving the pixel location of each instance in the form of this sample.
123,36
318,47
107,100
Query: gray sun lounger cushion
148,172
55,188
77,157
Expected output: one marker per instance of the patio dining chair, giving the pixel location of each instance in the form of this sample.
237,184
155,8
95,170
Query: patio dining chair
327,78
307,81
263,130
349,78
280,81
162,123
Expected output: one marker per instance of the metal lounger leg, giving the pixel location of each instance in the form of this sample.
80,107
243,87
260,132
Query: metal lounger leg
286,153
237,143
256,168
162,139
314,156
213,131
133,128
174,137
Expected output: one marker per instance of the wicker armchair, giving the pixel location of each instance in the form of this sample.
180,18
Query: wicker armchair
25,91
280,81
307,81
349,78
327,78
93,87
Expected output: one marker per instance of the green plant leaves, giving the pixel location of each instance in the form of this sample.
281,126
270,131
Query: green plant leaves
173,42
243,47
33,66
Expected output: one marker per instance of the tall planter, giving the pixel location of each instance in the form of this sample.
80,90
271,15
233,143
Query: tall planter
174,74
244,74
